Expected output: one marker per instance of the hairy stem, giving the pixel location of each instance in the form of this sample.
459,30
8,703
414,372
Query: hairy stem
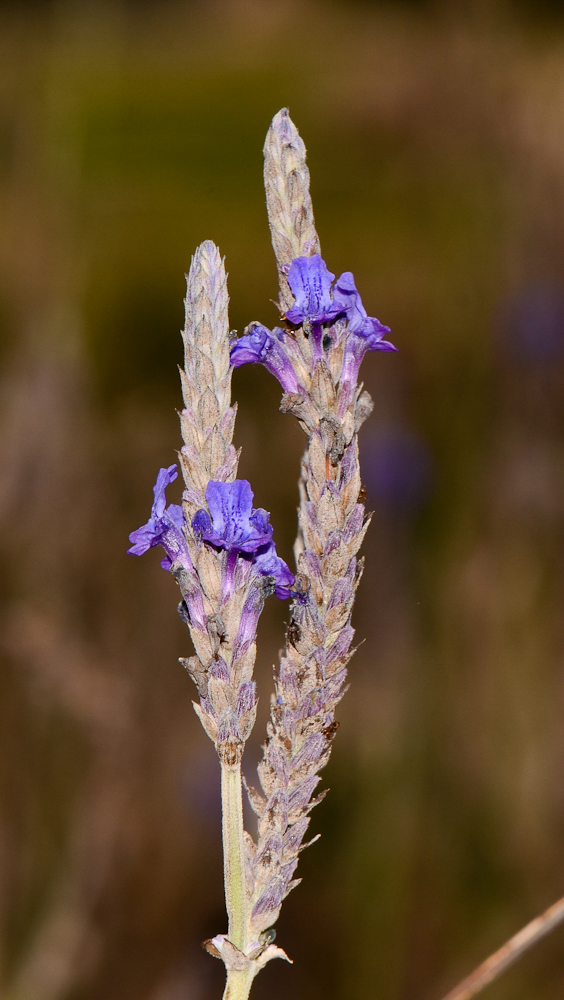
234,857
238,985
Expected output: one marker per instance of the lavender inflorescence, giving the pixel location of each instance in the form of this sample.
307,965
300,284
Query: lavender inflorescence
221,552
321,357
217,546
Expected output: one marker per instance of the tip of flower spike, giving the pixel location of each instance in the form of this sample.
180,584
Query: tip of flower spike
206,282
282,127
207,249
208,266
288,201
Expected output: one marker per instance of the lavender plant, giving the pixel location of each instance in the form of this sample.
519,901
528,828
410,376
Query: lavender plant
221,553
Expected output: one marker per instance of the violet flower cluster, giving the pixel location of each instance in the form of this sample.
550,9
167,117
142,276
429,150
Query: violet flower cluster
332,317
241,538
230,523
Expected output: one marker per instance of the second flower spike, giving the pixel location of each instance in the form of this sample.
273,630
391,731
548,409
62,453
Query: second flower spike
218,547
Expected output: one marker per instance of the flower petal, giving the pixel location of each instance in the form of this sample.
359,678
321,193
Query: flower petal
230,506
263,346
310,282
267,563
235,526
164,479
165,526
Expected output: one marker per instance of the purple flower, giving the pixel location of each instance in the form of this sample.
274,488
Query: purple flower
310,283
261,345
367,327
247,631
236,526
364,333
317,301
269,564
165,526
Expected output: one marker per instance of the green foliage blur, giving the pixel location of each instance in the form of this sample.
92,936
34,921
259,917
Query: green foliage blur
129,133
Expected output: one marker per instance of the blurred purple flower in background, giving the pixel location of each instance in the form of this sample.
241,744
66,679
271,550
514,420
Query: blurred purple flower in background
396,469
532,324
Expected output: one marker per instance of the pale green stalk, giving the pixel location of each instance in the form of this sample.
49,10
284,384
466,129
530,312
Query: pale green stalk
238,983
234,853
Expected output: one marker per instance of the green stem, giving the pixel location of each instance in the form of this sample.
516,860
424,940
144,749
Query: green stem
234,859
238,985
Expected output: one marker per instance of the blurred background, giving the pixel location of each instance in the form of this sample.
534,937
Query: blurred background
129,132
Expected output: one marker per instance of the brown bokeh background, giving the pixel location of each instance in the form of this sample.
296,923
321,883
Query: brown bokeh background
129,132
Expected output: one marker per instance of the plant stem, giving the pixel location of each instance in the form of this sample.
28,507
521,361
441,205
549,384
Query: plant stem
234,855
509,953
238,985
